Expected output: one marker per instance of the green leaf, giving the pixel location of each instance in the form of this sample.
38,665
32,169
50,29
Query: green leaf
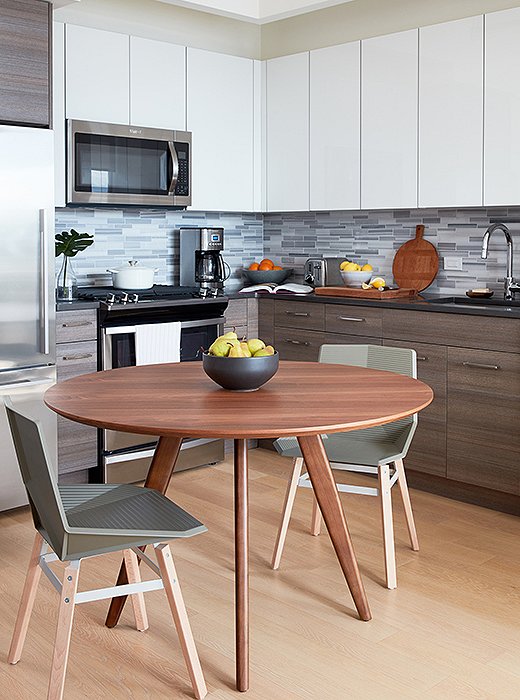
70,243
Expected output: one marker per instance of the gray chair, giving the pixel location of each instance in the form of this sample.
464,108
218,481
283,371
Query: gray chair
378,451
75,522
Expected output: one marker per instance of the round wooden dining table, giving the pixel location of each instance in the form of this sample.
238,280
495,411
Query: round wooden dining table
304,399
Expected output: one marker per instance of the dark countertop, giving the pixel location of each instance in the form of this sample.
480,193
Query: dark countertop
426,302
438,303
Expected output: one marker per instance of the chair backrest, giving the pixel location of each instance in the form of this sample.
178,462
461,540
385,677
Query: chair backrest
384,357
35,467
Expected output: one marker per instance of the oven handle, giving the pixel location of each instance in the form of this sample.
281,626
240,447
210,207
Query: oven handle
119,330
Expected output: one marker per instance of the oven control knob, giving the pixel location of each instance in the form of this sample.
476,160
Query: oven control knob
123,299
111,298
134,298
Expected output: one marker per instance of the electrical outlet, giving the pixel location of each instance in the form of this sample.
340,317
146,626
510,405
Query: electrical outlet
452,263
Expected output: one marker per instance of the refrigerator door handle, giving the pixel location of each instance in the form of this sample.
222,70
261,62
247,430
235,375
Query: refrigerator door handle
44,285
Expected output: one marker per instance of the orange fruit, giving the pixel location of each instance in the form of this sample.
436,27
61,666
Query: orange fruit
264,266
268,263
254,266
277,267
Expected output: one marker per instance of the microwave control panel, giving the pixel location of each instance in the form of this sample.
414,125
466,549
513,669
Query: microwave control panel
182,189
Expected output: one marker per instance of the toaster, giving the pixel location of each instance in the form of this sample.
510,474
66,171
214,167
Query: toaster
323,272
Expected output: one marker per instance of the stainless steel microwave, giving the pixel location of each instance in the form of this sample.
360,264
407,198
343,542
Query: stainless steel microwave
125,165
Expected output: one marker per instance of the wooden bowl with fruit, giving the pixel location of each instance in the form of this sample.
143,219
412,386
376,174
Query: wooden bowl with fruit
266,271
240,365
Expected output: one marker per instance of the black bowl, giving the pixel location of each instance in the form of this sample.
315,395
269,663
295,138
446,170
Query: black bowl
240,373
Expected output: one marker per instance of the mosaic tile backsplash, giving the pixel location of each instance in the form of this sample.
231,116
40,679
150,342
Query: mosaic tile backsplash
375,236
152,237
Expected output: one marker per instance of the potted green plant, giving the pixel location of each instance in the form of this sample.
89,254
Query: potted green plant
69,244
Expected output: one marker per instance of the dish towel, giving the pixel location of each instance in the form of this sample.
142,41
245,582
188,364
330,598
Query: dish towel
157,343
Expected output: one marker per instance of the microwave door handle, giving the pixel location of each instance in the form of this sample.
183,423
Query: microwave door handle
175,168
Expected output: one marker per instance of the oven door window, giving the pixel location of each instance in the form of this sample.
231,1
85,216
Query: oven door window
121,165
194,340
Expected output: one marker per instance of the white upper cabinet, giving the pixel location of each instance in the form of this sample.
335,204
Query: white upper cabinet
220,115
450,113
97,75
157,84
287,116
389,121
335,127
502,109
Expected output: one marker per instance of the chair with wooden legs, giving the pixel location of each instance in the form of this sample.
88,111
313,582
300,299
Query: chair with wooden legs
379,451
84,520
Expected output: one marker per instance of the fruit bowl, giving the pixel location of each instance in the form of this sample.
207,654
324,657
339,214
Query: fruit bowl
263,276
356,279
240,373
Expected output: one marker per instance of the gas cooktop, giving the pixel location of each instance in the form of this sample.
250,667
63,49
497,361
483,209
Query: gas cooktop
157,293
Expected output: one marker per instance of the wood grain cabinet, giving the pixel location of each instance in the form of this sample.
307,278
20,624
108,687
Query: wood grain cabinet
76,354
25,62
484,418
354,320
242,317
428,451
299,314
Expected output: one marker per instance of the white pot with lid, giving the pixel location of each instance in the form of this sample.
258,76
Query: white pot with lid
133,275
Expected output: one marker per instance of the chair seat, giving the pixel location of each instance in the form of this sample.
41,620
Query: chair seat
123,508
364,447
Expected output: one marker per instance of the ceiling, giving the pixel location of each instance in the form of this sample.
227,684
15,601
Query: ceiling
257,11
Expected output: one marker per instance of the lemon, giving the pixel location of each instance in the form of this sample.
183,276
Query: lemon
344,264
367,268
364,285
351,267
378,282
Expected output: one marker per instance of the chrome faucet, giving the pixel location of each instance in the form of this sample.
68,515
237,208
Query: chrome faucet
510,284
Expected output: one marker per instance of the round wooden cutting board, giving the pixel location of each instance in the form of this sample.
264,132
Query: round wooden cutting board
416,263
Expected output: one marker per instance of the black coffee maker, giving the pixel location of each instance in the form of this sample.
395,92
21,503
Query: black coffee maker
201,262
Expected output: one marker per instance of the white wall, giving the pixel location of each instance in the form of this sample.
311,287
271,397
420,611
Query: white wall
157,20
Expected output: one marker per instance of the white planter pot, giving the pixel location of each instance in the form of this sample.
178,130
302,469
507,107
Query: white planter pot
133,276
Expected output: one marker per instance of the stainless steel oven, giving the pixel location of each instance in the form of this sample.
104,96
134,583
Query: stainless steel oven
126,165
126,457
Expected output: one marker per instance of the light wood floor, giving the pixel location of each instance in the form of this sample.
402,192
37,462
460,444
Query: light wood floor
451,629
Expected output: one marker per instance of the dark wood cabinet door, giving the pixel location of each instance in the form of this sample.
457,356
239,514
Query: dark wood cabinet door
484,418
266,320
299,314
298,344
25,62
427,453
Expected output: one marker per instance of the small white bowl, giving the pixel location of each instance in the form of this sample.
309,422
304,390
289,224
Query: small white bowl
356,279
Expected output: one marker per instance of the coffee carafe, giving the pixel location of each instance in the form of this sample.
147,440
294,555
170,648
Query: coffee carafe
201,262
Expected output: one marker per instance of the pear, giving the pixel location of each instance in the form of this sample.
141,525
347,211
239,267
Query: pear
236,351
230,335
228,338
245,349
264,352
254,345
220,348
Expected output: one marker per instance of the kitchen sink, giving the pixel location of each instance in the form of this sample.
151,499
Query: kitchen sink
479,303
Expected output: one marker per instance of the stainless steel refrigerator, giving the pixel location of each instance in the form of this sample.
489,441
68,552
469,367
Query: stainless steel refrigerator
27,301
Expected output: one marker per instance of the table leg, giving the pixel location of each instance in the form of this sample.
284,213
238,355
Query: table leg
326,494
159,475
241,566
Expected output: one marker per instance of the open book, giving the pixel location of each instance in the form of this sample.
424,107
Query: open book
272,288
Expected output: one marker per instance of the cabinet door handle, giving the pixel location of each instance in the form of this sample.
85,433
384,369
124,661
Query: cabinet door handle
422,358
77,324
81,356
297,342
479,365
297,313
351,318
